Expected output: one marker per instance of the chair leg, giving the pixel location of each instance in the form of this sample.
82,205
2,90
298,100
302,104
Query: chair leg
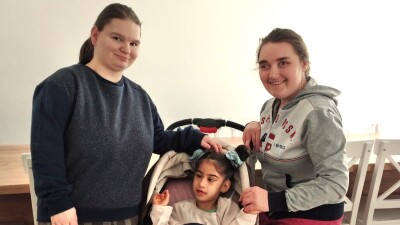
374,188
360,180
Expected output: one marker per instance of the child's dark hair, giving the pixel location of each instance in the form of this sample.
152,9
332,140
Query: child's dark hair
223,165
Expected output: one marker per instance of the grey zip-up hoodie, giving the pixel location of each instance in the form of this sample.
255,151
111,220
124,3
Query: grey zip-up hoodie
302,155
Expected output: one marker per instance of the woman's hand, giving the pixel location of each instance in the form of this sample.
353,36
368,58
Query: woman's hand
161,198
67,217
251,134
209,143
254,200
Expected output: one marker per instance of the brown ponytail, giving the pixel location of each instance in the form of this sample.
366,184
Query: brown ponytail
86,53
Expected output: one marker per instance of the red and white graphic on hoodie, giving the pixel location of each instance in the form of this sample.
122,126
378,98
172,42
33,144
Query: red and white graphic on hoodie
288,129
271,138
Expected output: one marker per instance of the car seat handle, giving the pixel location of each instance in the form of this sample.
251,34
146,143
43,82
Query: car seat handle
207,125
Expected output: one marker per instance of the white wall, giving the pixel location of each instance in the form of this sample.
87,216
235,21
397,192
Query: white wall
198,56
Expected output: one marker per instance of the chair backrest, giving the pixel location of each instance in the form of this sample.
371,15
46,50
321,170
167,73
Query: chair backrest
357,151
27,164
385,150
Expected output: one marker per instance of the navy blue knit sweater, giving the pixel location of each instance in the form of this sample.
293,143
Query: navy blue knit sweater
91,143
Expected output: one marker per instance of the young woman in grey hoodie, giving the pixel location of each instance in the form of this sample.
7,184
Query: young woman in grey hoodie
299,139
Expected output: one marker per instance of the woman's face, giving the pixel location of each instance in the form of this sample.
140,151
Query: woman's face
116,46
281,71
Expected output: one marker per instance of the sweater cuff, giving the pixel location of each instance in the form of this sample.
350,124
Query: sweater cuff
60,205
160,214
277,201
246,218
197,138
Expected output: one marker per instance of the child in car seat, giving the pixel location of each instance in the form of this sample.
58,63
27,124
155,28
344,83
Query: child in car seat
213,176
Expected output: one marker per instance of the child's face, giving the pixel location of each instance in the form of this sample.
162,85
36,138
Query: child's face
208,184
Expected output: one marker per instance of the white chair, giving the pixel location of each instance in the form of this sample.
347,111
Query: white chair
27,164
357,151
385,149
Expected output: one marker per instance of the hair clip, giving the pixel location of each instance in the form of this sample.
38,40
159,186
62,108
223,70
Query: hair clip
238,155
197,155
234,158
